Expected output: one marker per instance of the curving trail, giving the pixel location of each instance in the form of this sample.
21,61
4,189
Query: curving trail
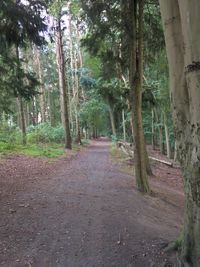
85,212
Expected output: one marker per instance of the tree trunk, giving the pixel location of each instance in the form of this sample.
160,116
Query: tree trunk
78,129
42,100
160,131
136,79
20,103
153,143
73,109
22,119
182,36
167,137
62,85
175,151
124,125
112,119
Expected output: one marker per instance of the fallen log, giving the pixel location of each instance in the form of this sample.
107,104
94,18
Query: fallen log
162,161
128,150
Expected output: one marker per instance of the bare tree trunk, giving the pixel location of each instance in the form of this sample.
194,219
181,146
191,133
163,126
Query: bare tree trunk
112,119
136,80
160,131
167,137
73,111
153,131
41,86
22,119
62,85
182,36
20,103
123,124
78,129
175,151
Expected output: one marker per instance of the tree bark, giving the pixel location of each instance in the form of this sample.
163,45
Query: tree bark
42,100
20,104
62,84
160,131
136,80
153,141
182,36
112,119
123,125
22,119
77,102
167,137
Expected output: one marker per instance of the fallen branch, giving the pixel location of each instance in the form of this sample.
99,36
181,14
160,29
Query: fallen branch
128,150
162,161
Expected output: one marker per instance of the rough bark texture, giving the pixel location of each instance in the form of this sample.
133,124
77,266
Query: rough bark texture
136,77
62,85
182,34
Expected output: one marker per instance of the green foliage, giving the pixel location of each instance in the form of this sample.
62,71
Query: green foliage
10,137
44,133
20,22
9,134
93,113
42,150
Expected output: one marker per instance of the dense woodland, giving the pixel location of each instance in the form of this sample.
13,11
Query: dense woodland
76,70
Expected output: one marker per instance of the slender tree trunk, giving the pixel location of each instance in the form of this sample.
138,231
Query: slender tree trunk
22,119
73,110
167,137
62,85
160,131
20,104
41,86
124,124
136,79
112,119
34,112
182,36
153,131
175,151
78,129
28,121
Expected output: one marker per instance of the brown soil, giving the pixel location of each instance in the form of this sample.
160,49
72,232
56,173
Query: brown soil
85,211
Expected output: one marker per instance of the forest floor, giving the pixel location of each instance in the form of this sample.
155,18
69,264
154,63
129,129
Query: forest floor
84,211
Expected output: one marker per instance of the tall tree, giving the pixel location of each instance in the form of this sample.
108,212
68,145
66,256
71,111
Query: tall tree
62,83
56,10
134,12
182,34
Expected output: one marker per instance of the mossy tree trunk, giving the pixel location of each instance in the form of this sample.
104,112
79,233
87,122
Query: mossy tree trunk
182,35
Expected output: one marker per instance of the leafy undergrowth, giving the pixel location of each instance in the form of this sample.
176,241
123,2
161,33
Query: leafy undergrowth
49,150
118,156
38,150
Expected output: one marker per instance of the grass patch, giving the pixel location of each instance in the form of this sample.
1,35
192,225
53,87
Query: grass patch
39,150
118,156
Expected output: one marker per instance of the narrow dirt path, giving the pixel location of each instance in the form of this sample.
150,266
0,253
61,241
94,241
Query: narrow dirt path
85,213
